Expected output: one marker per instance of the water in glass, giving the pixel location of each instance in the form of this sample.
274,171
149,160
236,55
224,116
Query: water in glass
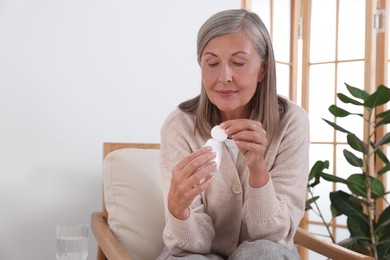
72,241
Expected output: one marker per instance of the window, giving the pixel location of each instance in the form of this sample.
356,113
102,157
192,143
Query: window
320,45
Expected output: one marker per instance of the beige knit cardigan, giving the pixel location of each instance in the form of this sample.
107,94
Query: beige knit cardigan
230,211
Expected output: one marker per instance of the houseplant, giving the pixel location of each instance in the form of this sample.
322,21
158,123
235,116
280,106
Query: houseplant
369,227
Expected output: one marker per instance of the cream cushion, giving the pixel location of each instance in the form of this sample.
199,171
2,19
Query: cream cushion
134,201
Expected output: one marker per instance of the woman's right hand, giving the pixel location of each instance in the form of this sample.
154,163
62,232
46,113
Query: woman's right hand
186,178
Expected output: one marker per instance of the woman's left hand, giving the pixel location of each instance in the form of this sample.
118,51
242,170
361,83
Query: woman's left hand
250,137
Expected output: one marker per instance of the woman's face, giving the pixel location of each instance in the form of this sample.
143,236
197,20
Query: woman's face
231,69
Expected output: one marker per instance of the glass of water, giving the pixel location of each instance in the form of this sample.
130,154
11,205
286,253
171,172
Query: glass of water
72,241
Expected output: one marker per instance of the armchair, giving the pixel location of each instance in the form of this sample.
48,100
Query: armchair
131,221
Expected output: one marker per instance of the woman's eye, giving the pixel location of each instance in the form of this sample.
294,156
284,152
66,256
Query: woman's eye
213,64
239,64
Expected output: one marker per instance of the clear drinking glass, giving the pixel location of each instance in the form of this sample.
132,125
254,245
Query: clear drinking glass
72,241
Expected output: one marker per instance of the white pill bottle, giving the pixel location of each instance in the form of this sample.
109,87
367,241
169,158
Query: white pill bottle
218,137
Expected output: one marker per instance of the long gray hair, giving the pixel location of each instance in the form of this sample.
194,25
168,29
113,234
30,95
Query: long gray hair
266,106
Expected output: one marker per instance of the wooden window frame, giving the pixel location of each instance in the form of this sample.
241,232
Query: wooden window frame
376,62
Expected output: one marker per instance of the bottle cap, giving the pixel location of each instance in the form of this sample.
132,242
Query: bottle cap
218,134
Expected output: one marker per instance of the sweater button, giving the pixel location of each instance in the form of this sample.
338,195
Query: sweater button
236,189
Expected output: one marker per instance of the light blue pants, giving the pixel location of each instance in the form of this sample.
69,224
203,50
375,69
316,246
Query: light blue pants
256,250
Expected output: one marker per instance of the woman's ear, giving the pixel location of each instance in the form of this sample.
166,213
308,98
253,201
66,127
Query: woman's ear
263,71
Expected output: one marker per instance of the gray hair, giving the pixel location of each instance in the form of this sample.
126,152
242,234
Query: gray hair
231,21
267,107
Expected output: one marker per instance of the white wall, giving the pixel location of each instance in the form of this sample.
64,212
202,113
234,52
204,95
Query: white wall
74,74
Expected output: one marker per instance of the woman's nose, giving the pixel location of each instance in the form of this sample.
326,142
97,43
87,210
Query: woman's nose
225,75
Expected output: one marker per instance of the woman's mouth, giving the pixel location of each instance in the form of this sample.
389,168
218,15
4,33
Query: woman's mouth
226,93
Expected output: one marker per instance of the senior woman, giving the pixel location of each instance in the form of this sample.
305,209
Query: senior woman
250,206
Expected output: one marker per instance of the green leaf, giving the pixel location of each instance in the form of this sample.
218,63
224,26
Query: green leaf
310,201
356,143
348,100
383,248
356,244
335,212
377,188
383,114
379,97
358,228
357,92
379,153
348,242
352,159
339,128
317,168
358,185
383,225
362,247
383,229
313,199
333,178
316,171
384,169
384,140
338,112
346,204
384,121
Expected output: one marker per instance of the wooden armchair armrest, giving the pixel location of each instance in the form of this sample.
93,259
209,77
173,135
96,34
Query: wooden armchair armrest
111,249
106,240
328,249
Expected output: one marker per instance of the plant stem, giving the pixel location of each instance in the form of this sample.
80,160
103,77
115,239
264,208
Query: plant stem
371,203
322,217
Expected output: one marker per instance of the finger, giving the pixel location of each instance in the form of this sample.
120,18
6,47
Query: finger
197,189
186,190
201,174
233,127
246,147
257,137
198,163
183,163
